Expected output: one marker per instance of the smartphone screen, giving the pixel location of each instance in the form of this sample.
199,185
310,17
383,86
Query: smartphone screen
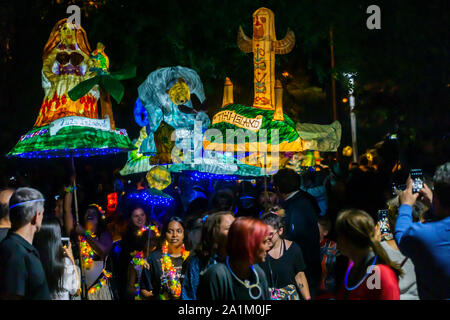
384,225
417,178
65,241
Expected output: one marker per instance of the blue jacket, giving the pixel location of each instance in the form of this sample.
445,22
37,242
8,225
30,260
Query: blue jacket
194,269
428,246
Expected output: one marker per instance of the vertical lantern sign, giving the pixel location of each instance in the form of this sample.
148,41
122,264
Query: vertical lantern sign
112,203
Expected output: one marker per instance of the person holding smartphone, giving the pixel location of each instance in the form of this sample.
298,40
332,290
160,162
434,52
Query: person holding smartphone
407,282
370,275
62,274
427,244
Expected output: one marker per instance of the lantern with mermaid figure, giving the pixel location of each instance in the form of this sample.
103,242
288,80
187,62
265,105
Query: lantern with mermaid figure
66,127
65,64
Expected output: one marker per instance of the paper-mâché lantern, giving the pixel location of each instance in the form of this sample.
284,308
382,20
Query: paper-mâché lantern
65,127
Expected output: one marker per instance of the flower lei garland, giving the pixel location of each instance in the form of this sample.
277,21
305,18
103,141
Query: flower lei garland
138,258
87,253
171,282
101,283
138,262
152,228
99,209
87,259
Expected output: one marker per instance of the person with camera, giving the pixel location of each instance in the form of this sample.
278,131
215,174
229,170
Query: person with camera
427,244
61,272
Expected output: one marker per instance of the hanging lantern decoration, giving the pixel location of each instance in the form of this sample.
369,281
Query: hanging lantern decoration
158,178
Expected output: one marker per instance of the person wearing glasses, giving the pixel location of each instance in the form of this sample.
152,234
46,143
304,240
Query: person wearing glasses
284,265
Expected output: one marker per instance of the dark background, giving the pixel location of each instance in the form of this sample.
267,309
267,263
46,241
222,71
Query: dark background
402,83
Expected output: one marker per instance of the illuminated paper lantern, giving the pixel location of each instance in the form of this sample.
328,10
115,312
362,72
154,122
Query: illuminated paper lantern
64,127
165,95
262,131
264,45
112,202
158,178
262,127
347,151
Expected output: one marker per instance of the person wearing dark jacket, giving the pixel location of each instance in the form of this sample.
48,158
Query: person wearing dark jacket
302,212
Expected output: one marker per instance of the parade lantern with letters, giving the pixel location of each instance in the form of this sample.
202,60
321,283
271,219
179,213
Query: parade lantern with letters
68,124
262,128
261,134
172,128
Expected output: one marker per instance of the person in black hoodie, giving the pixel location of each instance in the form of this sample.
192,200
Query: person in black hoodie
302,212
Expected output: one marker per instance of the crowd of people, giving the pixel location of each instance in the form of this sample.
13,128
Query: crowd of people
315,235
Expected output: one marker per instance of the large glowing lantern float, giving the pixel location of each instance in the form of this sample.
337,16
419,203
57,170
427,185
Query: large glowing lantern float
260,134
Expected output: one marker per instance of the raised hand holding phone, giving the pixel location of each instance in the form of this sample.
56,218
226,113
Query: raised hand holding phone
68,251
426,195
407,196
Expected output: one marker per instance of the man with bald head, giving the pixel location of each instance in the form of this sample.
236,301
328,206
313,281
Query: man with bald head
5,223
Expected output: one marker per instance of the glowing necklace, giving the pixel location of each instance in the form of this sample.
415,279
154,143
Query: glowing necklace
246,283
145,228
348,272
171,281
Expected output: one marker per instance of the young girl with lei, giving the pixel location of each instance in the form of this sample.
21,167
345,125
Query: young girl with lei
162,281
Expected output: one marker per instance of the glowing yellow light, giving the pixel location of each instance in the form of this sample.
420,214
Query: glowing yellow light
286,74
347,151
344,100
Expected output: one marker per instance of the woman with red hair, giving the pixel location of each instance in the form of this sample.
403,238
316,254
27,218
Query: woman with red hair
239,278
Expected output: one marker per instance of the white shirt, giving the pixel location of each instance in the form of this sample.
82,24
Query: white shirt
70,281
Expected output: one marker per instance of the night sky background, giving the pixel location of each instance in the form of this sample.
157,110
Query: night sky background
403,69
